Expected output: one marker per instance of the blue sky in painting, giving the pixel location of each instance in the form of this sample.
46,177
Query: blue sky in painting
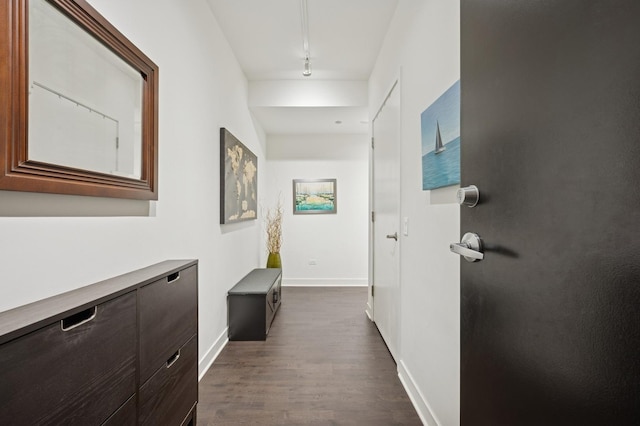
446,111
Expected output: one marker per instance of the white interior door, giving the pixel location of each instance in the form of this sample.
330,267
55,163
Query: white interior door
386,208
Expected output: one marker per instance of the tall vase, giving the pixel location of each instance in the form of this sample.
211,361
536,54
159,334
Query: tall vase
273,261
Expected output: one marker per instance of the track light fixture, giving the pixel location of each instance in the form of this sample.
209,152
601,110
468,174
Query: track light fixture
305,38
307,67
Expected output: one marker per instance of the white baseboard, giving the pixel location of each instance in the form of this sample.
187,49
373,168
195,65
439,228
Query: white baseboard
325,282
369,311
419,402
212,353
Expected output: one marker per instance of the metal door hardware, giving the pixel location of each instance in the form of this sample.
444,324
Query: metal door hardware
468,196
470,247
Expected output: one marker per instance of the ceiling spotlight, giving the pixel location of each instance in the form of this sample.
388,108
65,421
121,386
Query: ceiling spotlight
307,67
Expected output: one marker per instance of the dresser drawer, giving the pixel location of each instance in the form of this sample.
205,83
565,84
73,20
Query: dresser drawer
77,371
168,318
125,416
171,393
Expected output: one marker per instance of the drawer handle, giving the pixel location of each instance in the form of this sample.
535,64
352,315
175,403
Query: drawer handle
173,277
173,359
76,320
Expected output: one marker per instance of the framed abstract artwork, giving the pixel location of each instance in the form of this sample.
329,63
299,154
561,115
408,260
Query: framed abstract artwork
238,180
315,196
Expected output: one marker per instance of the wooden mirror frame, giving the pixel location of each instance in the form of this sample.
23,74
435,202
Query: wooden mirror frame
17,172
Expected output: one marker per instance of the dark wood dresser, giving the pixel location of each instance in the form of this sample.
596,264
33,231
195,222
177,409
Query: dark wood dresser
123,351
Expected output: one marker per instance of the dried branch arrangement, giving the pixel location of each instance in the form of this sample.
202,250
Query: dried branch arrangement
273,222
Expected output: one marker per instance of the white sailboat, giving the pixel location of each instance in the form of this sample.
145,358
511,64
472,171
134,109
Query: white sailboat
439,146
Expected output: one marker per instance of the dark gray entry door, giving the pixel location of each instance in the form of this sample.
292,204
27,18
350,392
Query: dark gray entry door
550,128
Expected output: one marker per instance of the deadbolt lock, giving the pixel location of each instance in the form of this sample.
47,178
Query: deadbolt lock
468,196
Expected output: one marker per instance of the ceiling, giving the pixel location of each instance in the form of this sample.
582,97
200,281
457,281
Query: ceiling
345,37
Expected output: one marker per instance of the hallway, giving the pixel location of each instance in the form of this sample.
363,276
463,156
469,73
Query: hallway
324,363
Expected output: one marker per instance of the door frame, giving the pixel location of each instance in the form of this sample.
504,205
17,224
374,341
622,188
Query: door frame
394,85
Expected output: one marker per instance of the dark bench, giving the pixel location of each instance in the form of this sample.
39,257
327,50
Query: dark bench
252,304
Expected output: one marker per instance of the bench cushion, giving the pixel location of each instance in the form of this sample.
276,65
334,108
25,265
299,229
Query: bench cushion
258,281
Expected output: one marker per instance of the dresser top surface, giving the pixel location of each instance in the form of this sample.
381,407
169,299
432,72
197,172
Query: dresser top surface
24,319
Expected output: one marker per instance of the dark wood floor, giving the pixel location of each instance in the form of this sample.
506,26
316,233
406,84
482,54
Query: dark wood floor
324,363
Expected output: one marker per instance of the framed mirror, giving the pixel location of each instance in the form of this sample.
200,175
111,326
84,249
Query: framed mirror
81,112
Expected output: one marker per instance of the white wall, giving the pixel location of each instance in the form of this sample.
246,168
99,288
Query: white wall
337,242
423,47
201,89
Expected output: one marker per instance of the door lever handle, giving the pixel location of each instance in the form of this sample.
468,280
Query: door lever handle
465,251
394,236
470,247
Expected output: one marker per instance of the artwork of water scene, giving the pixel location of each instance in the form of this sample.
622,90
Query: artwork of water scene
314,196
440,131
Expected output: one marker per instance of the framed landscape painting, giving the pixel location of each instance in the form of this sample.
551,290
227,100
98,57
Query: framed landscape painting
238,180
315,196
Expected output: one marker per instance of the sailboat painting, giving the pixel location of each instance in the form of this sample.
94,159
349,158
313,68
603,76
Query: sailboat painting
440,131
